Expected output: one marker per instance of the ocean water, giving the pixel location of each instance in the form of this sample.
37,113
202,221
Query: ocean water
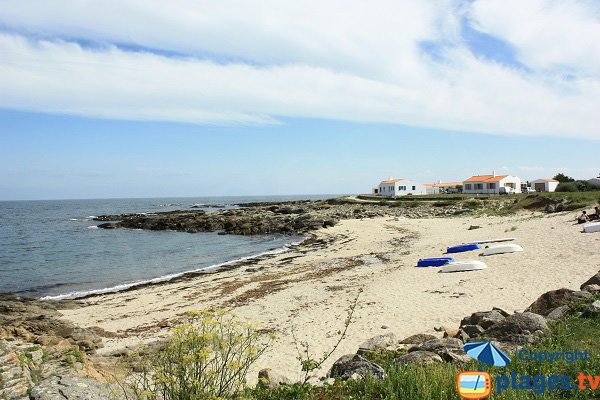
52,248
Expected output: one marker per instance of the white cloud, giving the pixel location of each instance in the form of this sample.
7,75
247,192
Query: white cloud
254,62
547,35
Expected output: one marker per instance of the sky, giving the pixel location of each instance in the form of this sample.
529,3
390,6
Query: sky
132,98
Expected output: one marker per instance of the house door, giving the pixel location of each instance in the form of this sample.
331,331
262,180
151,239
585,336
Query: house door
540,187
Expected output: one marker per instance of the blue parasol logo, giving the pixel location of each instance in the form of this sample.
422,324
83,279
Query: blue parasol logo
487,353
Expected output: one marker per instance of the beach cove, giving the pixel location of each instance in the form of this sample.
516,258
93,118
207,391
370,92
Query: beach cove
310,286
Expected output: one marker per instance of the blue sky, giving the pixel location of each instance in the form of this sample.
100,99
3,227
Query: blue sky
130,99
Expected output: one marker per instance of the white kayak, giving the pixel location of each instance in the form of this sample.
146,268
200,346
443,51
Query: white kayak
463,266
494,240
501,249
591,227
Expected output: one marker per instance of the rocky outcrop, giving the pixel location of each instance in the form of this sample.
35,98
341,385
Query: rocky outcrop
295,217
70,387
39,322
354,366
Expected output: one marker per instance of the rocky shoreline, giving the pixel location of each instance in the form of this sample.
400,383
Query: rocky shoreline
292,217
43,357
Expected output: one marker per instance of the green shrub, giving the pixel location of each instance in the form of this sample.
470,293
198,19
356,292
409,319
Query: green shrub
473,204
567,187
206,358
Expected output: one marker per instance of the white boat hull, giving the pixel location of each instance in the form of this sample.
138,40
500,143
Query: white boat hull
591,227
463,266
495,240
501,249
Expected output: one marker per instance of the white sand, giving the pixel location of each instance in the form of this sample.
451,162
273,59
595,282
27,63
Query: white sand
312,289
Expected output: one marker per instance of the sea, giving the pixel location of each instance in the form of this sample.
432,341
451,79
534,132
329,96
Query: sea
52,249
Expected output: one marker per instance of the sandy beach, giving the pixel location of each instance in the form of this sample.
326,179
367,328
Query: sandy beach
311,286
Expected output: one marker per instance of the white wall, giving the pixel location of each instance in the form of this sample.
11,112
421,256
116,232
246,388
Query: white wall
548,186
395,189
486,189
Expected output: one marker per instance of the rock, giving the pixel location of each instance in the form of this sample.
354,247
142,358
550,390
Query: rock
384,326
70,387
435,345
592,310
454,355
550,208
379,342
559,313
450,332
472,227
592,288
556,298
352,366
517,325
472,330
418,338
270,379
501,311
419,357
485,319
594,280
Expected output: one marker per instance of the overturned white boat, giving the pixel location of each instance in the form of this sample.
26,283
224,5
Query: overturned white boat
591,227
501,249
510,239
463,266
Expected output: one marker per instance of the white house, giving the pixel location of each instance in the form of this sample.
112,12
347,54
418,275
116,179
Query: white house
399,187
544,185
491,184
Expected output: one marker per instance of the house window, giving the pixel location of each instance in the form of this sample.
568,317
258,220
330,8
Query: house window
468,186
414,188
491,186
478,186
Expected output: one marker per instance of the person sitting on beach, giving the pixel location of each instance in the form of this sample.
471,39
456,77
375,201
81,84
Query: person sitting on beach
596,215
583,218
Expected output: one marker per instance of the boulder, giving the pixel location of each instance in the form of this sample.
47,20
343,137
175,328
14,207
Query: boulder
594,280
556,298
472,330
485,319
592,288
418,338
352,366
558,313
379,342
592,310
267,378
419,357
515,326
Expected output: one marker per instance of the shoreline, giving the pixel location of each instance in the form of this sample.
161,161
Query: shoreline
174,278
311,285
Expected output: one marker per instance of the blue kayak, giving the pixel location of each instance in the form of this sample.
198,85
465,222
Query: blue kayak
459,248
434,262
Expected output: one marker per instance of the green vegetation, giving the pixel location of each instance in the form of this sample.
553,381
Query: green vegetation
206,358
438,381
563,178
74,355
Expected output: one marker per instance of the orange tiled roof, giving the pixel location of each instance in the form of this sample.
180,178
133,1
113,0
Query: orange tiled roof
486,178
549,180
